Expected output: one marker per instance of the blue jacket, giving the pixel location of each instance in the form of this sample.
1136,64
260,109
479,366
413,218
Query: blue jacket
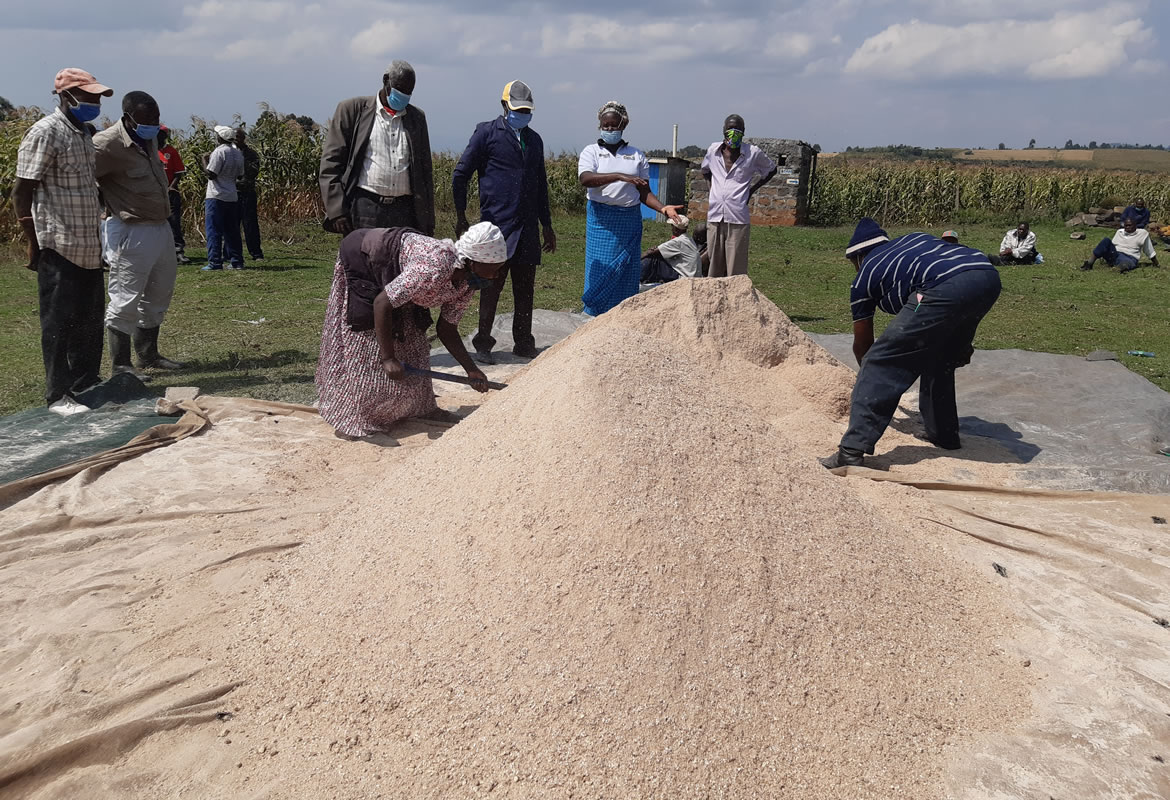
513,184
1139,215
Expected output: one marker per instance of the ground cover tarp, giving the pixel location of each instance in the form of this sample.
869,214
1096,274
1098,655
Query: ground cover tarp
122,590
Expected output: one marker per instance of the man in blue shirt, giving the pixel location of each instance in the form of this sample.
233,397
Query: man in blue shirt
508,157
1137,212
938,292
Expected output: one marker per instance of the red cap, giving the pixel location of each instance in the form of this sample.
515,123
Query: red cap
75,78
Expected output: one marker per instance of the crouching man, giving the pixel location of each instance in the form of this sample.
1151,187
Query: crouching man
938,293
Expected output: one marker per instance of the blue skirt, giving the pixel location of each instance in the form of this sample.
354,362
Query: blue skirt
613,256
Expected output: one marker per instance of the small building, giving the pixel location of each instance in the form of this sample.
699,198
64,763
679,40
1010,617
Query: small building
785,199
668,181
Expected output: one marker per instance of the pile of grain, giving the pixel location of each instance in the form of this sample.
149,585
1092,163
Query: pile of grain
620,579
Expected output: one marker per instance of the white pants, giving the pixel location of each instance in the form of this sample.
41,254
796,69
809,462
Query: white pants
141,256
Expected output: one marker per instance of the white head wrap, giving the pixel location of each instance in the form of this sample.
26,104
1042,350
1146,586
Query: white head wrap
225,133
484,243
682,223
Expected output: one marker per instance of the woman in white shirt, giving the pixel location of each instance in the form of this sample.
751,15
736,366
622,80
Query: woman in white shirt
617,178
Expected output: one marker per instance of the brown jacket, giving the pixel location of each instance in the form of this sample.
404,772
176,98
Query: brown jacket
344,153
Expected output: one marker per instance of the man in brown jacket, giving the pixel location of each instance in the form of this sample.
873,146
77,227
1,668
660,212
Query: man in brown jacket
376,161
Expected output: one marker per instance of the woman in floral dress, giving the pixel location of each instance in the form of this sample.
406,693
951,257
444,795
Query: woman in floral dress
376,322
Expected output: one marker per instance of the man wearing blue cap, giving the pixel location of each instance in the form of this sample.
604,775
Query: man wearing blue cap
938,292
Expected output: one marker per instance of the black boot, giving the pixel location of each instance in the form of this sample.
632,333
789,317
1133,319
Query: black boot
120,354
146,344
844,457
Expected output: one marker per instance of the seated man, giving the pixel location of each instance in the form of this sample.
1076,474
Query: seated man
1139,213
680,256
1019,247
1125,249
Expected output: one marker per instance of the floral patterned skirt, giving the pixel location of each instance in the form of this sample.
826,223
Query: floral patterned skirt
354,394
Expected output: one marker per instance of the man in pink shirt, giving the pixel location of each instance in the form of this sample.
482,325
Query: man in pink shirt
730,166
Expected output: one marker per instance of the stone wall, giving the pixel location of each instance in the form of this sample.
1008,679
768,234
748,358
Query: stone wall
782,200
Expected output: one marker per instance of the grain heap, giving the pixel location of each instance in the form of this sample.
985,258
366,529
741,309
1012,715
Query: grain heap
618,579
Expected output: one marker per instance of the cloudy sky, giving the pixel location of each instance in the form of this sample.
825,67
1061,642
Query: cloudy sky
835,72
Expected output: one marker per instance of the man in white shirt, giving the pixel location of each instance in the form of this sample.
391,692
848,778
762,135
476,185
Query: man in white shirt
1019,247
731,165
1125,249
221,204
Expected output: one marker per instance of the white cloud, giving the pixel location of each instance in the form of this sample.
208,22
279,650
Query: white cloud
379,38
646,42
1082,45
789,46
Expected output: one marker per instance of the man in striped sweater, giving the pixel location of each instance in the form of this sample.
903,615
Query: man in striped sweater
938,292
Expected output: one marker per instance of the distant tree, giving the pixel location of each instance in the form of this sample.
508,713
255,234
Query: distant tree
1031,144
816,148
1069,145
1093,145
6,108
1002,146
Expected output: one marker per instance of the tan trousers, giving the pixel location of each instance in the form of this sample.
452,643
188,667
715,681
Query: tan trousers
727,244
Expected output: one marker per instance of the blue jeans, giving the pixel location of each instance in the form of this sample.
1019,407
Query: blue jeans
926,341
1108,251
223,232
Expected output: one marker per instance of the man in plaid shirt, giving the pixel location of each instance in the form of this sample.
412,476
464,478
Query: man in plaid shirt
56,201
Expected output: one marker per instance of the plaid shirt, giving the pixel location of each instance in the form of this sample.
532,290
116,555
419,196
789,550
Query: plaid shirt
65,207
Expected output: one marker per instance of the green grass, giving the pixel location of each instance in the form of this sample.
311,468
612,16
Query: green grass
1053,307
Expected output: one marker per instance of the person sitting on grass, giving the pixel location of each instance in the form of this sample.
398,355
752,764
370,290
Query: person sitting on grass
1018,247
1139,213
680,256
1125,249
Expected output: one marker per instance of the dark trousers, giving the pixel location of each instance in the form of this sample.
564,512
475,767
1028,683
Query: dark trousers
1108,251
176,220
72,305
366,212
656,269
1027,258
927,344
522,267
250,223
222,226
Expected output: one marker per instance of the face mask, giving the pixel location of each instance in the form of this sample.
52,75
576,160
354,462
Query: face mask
397,100
733,137
518,119
144,132
611,137
84,112
476,282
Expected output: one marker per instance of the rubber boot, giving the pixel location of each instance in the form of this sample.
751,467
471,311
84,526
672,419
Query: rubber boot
146,344
844,457
120,354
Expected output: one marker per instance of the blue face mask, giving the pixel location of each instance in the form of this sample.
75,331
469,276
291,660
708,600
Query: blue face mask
397,100
518,119
611,137
84,112
144,132
476,282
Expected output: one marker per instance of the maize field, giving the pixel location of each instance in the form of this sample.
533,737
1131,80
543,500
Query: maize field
923,193
935,194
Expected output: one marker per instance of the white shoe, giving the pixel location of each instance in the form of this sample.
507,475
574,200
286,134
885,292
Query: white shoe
67,407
